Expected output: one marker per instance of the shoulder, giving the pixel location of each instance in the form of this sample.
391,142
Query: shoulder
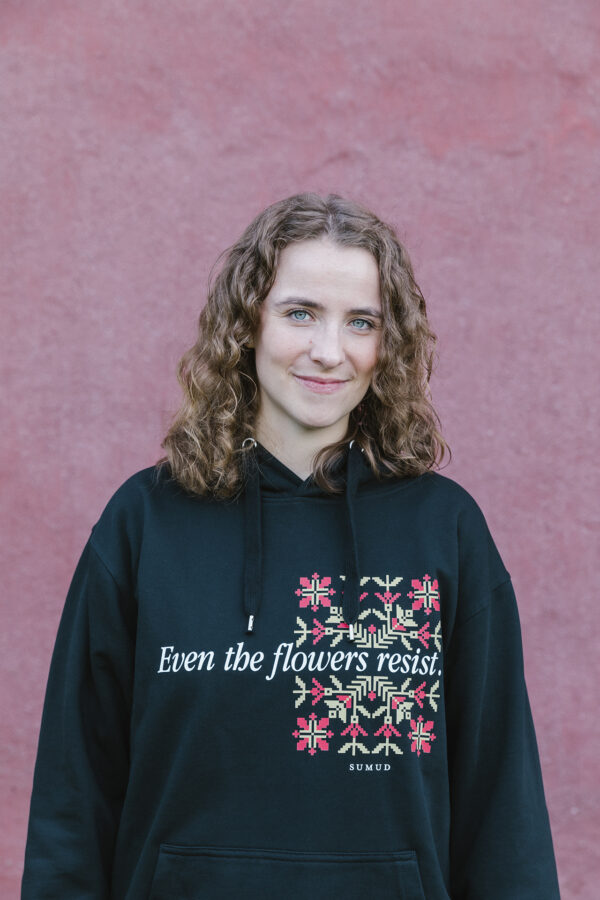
448,490
129,498
447,496
454,505
145,482
147,486
432,493
118,533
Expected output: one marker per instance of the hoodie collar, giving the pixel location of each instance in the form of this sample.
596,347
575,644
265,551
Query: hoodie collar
265,474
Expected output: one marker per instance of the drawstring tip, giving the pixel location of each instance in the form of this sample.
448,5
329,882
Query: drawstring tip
351,632
250,624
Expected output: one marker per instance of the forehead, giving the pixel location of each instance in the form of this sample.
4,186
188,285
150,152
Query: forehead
321,270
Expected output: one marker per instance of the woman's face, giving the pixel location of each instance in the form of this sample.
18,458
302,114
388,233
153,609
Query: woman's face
318,338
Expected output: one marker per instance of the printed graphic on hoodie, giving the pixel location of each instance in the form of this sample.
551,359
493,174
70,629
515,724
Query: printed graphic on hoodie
391,709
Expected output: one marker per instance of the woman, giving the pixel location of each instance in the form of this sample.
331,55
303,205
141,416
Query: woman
290,660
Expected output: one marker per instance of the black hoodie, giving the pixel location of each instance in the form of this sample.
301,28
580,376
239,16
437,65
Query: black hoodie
294,695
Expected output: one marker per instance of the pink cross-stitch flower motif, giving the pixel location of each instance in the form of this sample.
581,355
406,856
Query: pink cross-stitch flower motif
421,735
396,625
423,635
354,729
315,591
372,629
371,695
425,593
420,693
317,691
318,631
387,596
388,730
312,733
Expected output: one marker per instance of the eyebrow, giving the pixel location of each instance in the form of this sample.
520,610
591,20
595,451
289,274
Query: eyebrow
312,304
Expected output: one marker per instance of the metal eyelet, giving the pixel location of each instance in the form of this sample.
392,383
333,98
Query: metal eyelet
245,441
362,449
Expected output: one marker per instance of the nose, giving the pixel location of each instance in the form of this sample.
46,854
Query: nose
326,347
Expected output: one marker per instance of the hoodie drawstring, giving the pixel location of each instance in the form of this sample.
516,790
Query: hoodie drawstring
351,601
253,539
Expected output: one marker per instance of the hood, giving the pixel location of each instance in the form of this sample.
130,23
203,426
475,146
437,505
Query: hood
267,475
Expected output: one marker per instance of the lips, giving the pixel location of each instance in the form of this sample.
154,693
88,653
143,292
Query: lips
322,380
320,385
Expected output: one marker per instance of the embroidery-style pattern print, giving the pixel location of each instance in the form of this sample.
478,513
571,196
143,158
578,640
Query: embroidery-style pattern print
387,712
311,734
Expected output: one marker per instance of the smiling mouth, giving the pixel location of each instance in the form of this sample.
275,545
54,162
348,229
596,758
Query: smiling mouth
320,385
322,380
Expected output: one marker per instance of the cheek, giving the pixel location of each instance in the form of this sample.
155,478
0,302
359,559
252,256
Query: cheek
369,358
277,347
287,345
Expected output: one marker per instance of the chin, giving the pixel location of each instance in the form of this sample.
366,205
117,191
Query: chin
327,423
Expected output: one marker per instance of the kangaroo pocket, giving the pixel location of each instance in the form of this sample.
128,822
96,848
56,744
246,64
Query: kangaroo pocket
225,873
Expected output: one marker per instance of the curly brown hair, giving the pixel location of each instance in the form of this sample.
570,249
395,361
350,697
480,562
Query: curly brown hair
395,423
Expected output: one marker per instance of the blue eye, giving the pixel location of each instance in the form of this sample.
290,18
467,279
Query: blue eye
294,314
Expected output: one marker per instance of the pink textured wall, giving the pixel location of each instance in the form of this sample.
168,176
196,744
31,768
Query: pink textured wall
138,138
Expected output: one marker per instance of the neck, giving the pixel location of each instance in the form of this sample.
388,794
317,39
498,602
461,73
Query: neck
297,455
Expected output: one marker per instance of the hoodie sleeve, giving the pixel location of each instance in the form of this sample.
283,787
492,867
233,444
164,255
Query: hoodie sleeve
500,844
83,751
